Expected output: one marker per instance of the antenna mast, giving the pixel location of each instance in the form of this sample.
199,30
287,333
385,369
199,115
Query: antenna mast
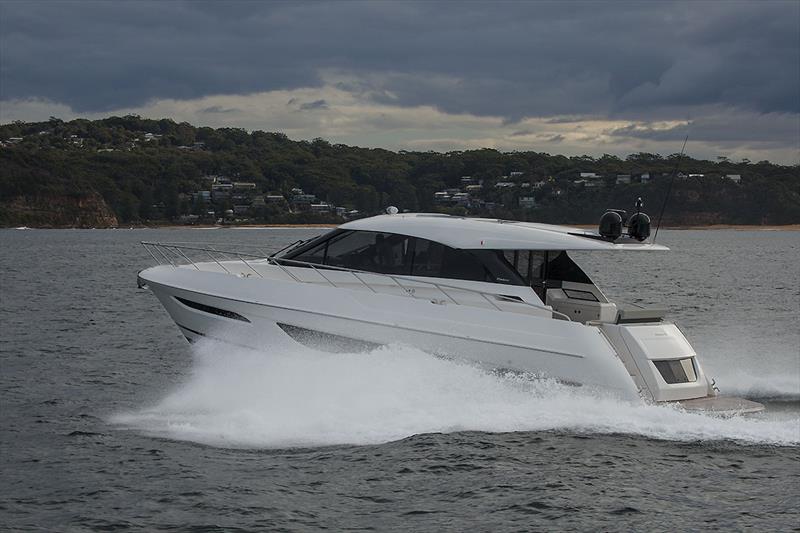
669,188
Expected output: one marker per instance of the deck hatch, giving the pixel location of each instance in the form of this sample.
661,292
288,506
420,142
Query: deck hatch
211,310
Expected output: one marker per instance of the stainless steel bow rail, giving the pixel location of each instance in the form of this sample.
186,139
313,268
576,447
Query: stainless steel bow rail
178,254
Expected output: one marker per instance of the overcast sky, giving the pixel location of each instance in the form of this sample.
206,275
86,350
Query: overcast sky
564,77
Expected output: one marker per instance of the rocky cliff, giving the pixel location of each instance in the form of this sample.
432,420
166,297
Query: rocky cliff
51,211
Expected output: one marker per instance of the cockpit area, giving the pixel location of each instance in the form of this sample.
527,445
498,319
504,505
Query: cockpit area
553,276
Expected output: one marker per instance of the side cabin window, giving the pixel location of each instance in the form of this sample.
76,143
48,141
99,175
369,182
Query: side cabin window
371,251
390,253
561,267
547,269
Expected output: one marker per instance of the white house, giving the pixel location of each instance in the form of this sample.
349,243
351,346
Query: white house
460,198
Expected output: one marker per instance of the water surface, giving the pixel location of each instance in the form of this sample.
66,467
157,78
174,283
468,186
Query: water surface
110,419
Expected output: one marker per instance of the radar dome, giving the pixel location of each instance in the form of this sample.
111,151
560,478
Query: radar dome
611,225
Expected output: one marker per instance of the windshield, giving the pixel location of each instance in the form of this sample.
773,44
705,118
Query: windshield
390,253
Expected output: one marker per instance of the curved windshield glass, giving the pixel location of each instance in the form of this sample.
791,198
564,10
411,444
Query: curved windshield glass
390,253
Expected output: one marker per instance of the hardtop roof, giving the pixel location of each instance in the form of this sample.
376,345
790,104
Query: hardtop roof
493,234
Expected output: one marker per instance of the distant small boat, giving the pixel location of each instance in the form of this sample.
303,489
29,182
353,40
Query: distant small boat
22,228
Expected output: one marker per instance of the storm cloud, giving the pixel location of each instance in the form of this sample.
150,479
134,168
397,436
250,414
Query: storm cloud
514,61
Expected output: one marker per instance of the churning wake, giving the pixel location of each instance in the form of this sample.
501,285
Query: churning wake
294,396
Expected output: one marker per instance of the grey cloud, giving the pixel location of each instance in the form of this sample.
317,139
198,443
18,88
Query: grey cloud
514,59
219,109
766,130
316,104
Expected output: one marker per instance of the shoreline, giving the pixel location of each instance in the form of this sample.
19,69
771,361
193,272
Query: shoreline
711,227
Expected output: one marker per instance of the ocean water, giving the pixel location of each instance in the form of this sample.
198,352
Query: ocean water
110,420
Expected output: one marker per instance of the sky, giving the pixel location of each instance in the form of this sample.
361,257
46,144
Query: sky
564,77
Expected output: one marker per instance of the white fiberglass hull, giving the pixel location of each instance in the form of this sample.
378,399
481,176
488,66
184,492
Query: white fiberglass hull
567,351
255,311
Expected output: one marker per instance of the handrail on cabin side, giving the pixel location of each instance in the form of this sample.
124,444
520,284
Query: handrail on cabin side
177,250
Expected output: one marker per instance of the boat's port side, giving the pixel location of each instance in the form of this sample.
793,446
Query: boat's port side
352,320
660,360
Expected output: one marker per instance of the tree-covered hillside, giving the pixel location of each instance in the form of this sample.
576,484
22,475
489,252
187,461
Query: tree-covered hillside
156,171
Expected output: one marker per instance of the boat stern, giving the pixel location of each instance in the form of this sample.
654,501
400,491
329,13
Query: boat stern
665,368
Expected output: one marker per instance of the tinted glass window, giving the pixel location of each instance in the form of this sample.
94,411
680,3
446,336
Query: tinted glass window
427,258
563,268
499,269
677,371
389,253
315,255
439,261
366,250
460,264
527,263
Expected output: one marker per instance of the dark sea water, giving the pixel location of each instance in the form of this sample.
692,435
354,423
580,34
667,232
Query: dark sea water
110,420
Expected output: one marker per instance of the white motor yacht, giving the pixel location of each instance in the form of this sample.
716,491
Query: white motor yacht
498,293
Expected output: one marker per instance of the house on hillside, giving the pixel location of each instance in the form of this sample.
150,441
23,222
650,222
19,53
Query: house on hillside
321,207
201,197
441,197
623,179
590,180
303,201
460,198
736,178
221,191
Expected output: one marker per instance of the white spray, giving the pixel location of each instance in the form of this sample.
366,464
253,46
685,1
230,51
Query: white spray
294,396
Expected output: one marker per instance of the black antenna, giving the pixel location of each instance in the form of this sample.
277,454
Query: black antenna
669,188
